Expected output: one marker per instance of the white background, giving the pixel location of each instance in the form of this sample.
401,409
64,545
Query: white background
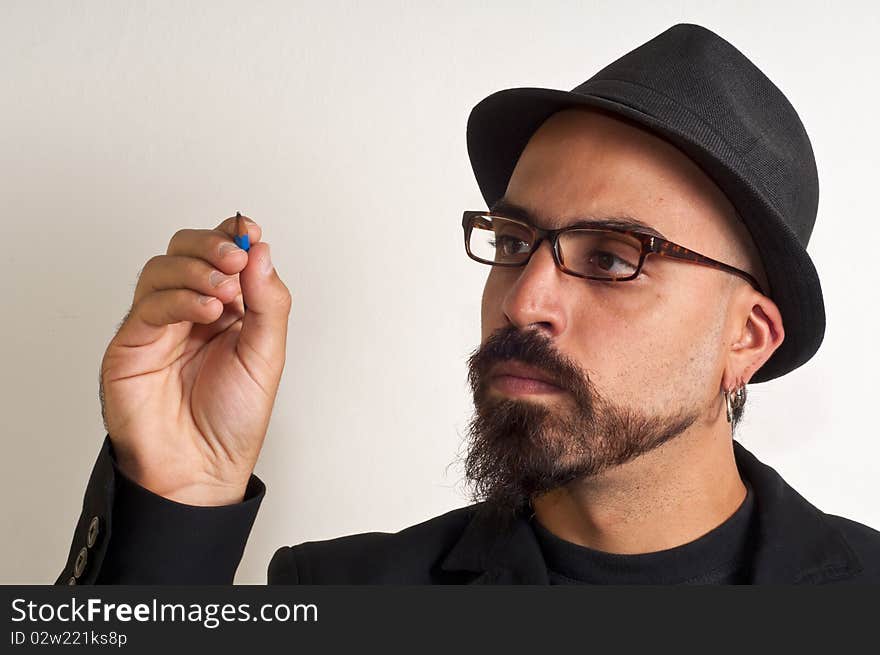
334,123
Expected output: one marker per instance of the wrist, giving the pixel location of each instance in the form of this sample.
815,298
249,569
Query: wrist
201,495
208,492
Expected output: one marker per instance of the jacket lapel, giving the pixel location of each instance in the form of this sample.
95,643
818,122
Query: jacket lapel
793,541
499,556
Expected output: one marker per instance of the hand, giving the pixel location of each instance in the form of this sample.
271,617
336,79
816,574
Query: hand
187,387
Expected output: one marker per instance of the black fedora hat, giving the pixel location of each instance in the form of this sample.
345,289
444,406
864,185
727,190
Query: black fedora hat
697,91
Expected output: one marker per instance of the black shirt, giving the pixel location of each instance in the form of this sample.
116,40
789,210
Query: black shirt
720,556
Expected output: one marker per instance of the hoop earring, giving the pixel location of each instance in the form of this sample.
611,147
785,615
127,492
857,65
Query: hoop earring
734,400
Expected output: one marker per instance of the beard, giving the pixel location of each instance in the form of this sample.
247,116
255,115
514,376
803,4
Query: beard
519,449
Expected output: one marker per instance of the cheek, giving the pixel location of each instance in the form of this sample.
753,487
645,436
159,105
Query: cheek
645,349
491,317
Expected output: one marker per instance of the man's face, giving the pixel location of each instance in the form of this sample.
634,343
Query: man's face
637,363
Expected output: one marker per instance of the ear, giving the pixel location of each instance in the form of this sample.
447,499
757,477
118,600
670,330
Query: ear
758,334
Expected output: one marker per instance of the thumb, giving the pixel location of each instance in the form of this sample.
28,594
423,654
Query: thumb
268,301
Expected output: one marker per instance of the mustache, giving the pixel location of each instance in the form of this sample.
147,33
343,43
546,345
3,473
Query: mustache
529,347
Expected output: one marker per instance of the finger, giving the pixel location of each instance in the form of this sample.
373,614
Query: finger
179,272
215,246
211,245
195,268
147,319
264,326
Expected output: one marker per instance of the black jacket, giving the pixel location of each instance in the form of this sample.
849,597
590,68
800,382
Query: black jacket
128,535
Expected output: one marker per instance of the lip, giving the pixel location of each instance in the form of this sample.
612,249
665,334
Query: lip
523,374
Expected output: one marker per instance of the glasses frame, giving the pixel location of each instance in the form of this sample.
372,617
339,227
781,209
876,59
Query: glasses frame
651,245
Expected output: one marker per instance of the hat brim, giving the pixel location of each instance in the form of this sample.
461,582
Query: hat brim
500,126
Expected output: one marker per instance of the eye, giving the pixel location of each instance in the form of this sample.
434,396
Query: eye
509,246
601,253
611,263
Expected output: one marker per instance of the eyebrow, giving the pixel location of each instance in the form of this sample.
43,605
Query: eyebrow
620,221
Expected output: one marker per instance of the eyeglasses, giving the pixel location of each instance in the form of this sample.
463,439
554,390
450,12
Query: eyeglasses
609,254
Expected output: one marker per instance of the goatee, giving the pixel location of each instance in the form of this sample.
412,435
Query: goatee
519,449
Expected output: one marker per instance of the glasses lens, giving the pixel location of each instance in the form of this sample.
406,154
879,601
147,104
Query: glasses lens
600,253
497,240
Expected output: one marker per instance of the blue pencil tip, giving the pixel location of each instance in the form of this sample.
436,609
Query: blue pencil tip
243,241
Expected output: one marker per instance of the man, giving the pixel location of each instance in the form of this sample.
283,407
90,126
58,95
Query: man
646,237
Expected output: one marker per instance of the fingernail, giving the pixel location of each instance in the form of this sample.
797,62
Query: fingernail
227,248
217,278
266,264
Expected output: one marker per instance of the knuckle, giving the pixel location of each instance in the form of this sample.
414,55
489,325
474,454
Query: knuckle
152,262
282,290
177,237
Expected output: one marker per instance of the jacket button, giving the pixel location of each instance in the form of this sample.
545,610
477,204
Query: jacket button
93,532
80,564
72,581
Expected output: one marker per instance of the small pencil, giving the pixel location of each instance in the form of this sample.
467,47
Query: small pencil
241,238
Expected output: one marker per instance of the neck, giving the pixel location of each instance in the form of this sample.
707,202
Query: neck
665,498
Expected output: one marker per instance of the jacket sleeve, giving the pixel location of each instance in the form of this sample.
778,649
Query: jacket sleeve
127,534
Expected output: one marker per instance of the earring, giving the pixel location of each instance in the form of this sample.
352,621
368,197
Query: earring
734,399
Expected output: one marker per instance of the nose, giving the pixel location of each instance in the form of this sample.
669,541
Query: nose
536,295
